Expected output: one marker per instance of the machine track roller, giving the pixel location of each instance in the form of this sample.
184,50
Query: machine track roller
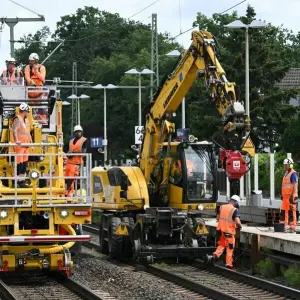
127,244
103,236
115,242
202,240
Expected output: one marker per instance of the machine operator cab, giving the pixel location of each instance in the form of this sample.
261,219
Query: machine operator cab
192,175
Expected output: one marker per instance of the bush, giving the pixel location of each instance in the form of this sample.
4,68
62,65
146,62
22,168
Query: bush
266,268
292,275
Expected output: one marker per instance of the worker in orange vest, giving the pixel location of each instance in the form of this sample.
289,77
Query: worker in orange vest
228,221
76,145
11,76
289,194
21,135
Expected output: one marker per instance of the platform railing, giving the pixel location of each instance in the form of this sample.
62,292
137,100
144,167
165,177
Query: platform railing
50,195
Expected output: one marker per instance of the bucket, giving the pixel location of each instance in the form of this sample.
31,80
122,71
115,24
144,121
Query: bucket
279,227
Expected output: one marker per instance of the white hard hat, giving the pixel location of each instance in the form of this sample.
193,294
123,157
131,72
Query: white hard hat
77,128
235,198
24,107
288,161
10,60
33,56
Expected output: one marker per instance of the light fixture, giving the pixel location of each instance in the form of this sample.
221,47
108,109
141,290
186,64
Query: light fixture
173,53
200,207
3,214
73,97
64,213
83,96
34,174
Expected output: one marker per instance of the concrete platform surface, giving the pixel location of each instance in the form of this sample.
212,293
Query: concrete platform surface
279,241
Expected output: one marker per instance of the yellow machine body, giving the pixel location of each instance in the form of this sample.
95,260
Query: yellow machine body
37,228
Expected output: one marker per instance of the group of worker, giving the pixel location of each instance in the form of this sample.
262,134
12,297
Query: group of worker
22,137
34,73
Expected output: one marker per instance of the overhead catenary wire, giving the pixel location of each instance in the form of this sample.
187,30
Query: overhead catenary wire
183,32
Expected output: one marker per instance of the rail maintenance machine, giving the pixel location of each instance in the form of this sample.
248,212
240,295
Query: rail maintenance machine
154,210
38,224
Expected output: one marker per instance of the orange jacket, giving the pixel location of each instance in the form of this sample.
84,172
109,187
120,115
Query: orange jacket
37,75
77,148
226,223
22,128
289,188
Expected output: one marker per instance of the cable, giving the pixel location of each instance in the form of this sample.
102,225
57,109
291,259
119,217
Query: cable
80,39
172,38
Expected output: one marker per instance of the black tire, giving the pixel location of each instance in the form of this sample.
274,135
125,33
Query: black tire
103,243
115,242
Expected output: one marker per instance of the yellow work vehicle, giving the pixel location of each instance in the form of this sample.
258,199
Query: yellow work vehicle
154,210
37,222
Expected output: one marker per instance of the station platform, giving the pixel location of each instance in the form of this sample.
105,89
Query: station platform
265,237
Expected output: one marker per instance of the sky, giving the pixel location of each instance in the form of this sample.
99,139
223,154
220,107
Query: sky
173,15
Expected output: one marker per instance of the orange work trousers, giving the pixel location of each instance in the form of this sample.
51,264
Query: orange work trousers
72,171
288,212
21,158
227,242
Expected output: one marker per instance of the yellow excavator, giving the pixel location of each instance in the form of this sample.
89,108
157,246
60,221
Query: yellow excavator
154,210
37,222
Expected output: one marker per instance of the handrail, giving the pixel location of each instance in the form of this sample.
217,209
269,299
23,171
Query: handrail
3,145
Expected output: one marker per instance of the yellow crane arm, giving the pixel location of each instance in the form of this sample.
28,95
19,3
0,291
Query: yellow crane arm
199,60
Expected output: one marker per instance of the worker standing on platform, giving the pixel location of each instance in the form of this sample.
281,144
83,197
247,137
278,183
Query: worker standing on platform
76,145
228,220
11,76
21,135
289,194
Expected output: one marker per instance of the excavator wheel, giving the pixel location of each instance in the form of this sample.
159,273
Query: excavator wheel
115,242
127,245
102,235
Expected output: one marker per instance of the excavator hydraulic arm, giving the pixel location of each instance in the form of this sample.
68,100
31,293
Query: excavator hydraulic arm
199,61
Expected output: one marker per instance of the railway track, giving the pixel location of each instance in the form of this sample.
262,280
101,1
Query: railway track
215,282
40,286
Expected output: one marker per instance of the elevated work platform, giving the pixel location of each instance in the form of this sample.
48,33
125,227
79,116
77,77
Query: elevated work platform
264,237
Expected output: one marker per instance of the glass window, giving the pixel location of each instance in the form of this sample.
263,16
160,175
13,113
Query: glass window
199,176
98,188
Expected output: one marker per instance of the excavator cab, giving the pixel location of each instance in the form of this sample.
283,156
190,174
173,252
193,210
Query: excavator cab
192,176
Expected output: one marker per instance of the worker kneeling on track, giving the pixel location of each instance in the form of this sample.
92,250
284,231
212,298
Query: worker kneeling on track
76,145
228,221
21,135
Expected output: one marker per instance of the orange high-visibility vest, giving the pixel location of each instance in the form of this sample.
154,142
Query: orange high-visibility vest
289,188
226,223
23,130
77,148
11,78
38,77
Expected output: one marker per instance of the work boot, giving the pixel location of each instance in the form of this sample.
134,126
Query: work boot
229,267
290,230
209,259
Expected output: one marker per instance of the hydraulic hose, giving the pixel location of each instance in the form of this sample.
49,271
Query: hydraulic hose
60,248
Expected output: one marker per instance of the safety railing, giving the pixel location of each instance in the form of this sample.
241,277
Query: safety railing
45,189
16,94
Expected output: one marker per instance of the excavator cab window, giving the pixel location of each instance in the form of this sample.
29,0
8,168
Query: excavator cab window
197,173
117,177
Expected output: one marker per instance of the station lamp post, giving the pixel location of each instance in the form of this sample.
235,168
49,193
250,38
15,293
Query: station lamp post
143,72
176,53
238,24
104,88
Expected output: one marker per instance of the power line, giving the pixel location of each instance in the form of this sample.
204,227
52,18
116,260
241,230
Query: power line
181,33
99,32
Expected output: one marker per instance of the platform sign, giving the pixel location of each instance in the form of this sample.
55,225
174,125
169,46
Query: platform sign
138,134
96,142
